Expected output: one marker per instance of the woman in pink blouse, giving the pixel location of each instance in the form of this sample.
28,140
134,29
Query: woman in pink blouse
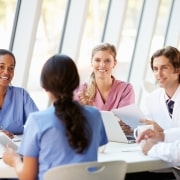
103,90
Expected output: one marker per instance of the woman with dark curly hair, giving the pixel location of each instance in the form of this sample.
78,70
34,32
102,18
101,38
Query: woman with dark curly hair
15,102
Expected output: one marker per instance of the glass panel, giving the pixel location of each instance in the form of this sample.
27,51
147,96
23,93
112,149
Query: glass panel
7,14
128,38
92,34
159,34
157,43
50,31
46,44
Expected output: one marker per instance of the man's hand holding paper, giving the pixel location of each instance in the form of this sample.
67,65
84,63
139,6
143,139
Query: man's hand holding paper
130,115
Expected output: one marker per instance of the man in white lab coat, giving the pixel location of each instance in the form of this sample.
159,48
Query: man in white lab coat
165,64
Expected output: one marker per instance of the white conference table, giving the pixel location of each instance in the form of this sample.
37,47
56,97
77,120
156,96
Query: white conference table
130,153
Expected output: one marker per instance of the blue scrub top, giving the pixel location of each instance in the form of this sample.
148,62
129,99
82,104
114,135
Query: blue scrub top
16,107
44,138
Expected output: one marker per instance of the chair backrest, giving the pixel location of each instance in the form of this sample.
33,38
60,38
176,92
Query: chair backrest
110,170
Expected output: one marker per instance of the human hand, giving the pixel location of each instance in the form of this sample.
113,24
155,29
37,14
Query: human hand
127,129
10,156
9,134
83,99
155,125
101,149
147,134
147,139
146,145
151,134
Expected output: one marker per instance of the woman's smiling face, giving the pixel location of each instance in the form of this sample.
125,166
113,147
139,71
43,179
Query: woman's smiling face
7,65
103,62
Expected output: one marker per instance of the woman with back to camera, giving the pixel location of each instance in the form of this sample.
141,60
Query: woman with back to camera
15,102
65,133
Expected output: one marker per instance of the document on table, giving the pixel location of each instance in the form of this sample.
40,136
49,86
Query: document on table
130,115
131,149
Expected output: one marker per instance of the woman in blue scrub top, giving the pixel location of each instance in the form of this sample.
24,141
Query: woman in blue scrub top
65,133
15,102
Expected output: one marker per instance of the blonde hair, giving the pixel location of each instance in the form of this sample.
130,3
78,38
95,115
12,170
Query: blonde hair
91,87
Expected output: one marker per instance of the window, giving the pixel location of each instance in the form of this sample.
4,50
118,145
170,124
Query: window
7,14
47,44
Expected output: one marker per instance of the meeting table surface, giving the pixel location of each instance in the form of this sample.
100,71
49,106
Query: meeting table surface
131,153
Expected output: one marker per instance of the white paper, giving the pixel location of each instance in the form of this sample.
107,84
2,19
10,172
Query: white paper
131,149
130,115
4,140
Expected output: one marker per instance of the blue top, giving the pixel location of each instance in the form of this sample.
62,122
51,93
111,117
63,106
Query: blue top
44,138
16,107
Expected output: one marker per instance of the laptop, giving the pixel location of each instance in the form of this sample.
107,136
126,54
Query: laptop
113,129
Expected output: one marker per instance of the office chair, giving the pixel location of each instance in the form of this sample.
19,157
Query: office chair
110,170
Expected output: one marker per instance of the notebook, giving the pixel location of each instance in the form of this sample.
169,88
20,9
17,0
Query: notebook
113,129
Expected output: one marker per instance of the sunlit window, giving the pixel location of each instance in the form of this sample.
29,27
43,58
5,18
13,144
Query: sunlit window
157,43
92,34
52,26
159,34
47,44
128,37
7,14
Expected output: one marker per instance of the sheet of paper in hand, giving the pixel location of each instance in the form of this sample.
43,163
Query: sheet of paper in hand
4,140
130,115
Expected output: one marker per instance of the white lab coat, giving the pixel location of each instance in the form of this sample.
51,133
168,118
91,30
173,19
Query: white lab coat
156,109
169,150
